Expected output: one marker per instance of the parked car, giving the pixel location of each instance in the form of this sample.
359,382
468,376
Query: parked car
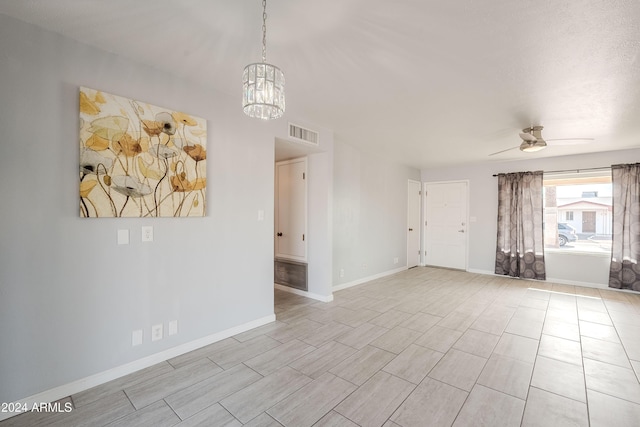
566,233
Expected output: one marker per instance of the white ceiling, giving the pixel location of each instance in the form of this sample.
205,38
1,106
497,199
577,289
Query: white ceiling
429,83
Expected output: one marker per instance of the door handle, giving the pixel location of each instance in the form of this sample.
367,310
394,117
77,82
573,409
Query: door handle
461,231
411,229
279,234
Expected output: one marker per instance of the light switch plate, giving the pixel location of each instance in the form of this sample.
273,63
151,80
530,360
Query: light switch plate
123,237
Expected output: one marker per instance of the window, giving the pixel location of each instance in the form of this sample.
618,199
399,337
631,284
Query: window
577,212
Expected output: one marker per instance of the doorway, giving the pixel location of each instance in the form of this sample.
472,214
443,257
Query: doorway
290,223
588,221
308,270
446,224
291,210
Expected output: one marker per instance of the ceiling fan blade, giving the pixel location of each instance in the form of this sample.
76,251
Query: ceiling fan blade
571,141
527,137
498,152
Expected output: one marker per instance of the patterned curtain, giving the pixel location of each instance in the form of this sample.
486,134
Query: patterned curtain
520,246
624,272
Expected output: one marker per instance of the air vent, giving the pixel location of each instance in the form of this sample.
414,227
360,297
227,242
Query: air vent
301,134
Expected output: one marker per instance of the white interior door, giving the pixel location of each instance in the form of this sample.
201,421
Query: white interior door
413,224
291,210
446,224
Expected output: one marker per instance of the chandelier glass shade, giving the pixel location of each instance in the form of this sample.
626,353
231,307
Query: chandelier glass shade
263,84
263,91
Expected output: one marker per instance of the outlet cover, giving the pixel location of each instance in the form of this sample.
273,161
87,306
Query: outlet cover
147,233
173,327
156,332
342,272
395,260
136,337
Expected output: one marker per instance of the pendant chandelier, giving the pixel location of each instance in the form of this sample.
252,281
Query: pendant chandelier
263,84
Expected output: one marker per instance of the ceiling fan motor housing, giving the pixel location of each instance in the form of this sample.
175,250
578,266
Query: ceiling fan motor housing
536,131
532,139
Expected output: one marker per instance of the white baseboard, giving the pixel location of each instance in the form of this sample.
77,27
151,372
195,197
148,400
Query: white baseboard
576,283
490,273
323,298
549,279
368,279
103,377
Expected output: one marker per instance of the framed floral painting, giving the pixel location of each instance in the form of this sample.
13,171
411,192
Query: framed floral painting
139,160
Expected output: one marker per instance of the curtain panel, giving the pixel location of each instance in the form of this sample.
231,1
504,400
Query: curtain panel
520,243
624,272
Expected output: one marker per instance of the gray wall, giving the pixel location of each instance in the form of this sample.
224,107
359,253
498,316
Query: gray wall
483,205
69,296
369,213
320,193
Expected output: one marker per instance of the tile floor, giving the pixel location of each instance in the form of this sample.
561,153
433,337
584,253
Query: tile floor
426,347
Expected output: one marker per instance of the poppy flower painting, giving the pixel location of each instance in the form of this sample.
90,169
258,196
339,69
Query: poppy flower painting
139,160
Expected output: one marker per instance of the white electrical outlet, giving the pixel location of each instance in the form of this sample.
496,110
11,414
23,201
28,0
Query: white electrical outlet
136,337
342,272
147,233
156,332
173,327
395,260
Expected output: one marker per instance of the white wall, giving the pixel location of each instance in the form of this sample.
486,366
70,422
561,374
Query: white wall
320,194
483,205
369,214
69,296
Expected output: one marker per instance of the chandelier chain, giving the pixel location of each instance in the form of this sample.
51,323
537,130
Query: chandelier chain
264,30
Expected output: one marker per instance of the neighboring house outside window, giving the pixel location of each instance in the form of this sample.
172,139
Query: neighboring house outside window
578,212
587,216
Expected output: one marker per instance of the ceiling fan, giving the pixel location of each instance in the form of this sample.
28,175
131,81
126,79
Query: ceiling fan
532,140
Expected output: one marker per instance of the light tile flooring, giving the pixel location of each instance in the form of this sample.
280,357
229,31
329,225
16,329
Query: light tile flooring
426,347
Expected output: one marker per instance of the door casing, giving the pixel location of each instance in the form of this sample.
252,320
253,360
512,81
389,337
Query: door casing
414,192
